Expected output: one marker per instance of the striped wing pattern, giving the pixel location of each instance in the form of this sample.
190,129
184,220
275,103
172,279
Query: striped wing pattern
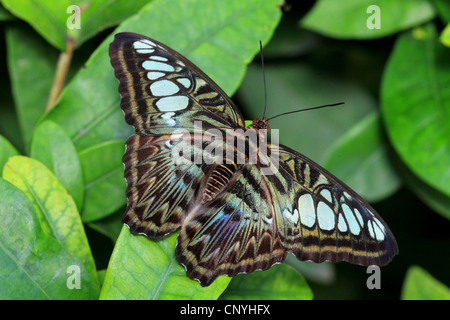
322,219
162,91
232,218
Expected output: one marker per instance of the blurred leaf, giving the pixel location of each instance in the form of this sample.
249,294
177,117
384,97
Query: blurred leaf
281,282
56,209
361,158
51,146
5,15
104,181
56,20
31,64
7,150
415,99
349,19
321,273
33,264
146,269
445,36
433,198
420,285
97,16
293,87
443,8
46,16
90,112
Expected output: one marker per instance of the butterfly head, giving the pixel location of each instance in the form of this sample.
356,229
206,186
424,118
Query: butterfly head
260,124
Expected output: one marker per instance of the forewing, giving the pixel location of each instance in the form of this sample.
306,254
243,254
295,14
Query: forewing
162,91
319,218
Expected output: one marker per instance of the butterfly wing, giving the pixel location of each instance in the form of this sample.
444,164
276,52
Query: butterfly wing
163,93
234,233
300,208
319,218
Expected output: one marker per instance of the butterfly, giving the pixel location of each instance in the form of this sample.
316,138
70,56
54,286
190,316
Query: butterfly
234,217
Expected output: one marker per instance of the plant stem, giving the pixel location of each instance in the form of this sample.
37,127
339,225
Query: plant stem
60,75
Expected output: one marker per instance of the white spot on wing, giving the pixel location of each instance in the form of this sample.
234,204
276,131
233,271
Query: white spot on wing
157,66
168,116
185,82
173,103
342,225
325,216
148,42
306,209
378,229
351,220
326,194
359,216
291,217
164,88
158,58
143,47
153,75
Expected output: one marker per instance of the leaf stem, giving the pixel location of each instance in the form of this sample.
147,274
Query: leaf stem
60,75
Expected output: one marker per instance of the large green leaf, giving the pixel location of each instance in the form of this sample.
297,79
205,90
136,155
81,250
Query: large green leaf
362,159
281,282
145,269
56,209
415,99
56,20
51,146
89,107
104,181
33,264
420,285
349,19
31,64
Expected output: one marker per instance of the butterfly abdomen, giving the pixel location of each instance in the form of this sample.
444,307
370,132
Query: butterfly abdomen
218,180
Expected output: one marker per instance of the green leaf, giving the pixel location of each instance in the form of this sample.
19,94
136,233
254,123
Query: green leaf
443,8
146,269
281,282
46,16
293,87
31,64
89,107
97,16
433,198
420,285
361,158
56,21
7,150
56,209
445,36
33,264
104,182
416,105
51,146
350,19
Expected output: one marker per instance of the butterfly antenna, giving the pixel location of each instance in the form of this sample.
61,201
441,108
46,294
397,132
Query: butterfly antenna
324,106
264,78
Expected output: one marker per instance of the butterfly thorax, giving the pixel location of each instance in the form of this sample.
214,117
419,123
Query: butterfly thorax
221,175
259,124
